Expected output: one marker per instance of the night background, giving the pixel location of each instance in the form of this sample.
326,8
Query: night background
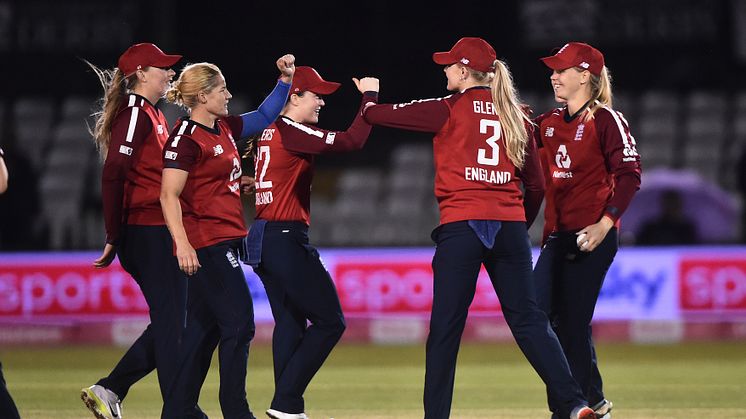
670,321
677,48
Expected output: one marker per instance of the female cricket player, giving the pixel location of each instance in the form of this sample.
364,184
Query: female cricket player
483,151
592,172
305,305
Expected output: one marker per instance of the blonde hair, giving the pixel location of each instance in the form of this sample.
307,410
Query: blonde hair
194,79
600,92
513,118
115,87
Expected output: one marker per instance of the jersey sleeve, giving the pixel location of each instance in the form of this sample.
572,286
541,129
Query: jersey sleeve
267,112
537,129
426,115
129,131
622,159
532,176
302,138
181,152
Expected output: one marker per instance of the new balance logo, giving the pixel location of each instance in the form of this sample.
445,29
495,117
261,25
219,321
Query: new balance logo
549,132
218,149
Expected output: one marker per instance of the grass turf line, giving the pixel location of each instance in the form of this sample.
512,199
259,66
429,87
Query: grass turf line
365,381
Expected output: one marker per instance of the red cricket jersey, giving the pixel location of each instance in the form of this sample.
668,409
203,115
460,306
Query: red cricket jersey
474,179
211,199
131,177
592,168
284,163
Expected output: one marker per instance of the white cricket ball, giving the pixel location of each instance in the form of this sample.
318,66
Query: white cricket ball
581,239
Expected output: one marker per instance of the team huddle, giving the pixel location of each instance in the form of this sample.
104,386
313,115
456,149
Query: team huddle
174,217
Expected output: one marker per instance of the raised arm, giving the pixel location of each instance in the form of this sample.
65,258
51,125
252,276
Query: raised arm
426,115
303,138
269,110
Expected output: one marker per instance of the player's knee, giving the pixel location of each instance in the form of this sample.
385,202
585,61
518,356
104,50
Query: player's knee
247,331
337,326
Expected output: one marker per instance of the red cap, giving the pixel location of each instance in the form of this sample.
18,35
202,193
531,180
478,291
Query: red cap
143,55
576,54
475,53
308,79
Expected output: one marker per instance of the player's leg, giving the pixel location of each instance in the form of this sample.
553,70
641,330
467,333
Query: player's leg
510,270
456,263
290,323
547,271
136,363
581,281
194,353
221,280
7,406
308,292
165,289
104,398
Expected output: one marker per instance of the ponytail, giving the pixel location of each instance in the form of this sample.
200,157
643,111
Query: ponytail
512,116
600,92
115,88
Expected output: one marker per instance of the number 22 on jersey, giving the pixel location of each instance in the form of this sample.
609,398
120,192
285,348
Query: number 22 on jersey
262,158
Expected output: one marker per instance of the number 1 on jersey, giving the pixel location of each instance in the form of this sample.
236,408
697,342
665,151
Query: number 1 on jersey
482,158
262,156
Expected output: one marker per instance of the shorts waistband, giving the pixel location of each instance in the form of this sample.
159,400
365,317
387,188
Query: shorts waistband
286,225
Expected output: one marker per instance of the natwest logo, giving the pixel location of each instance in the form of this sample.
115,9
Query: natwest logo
713,284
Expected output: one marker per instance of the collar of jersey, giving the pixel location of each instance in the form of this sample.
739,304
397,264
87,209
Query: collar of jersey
215,130
143,98
568,118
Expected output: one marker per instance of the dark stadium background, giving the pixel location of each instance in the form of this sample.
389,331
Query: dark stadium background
672,45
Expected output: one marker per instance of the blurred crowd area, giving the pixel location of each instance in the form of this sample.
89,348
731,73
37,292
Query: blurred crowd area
686,107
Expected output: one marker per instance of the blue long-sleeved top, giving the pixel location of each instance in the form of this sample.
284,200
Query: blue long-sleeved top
267,112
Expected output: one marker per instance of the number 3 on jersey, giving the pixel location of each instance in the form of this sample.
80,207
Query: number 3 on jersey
484,128
262,157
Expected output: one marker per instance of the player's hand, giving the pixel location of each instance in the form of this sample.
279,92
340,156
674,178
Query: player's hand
286,65
108,255
594,234
187,257
366,84
248,185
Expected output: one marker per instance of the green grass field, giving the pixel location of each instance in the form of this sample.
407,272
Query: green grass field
695,380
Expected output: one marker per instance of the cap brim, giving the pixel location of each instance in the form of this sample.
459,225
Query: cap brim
556,63
324,88
166,60
444,58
